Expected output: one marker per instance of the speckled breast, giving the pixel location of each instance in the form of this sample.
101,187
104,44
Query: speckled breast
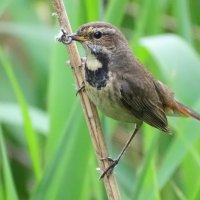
107,99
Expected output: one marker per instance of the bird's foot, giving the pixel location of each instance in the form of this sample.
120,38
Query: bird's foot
108,171
81,88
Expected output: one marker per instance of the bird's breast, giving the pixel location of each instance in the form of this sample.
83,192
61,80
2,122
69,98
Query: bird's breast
103,87
107,99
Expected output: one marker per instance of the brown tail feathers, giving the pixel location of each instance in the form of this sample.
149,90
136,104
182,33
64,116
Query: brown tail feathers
185,111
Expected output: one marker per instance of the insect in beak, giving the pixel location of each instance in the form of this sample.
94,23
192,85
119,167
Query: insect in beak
68,38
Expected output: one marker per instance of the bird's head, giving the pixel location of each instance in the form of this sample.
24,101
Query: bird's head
99,37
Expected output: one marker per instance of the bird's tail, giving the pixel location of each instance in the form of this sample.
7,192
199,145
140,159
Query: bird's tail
185,111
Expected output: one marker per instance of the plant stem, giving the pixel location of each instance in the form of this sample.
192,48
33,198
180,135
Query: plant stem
89,108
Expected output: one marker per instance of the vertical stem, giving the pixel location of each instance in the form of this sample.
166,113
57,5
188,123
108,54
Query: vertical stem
89,108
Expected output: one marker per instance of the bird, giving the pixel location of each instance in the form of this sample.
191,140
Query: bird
120,85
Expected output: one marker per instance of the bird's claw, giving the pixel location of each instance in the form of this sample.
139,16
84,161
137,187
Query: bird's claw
107,159
81,88
108,171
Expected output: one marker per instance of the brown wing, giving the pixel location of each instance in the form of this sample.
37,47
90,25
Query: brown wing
139,95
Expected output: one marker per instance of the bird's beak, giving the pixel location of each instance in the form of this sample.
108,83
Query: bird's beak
76,37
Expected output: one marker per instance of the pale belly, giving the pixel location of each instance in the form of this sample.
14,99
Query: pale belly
106,101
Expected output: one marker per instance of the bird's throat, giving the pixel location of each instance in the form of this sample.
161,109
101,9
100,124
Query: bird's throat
93,63
96,69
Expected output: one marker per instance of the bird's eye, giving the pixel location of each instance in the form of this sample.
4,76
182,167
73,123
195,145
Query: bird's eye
97,34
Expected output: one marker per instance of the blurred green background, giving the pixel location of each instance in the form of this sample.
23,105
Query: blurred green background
45,149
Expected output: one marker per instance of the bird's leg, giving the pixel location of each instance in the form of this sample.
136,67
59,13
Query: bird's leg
83,60
81,88
82,66
110,169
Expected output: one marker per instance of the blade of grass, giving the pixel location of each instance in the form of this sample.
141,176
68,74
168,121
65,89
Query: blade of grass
10,113
179,193
9,186
80,16
69,162
145,167
92,10
151,174
191,161
196,195
182,14
196,190
61,95
176,152
97,187
92,186
149,20
27,31
114,7
29,132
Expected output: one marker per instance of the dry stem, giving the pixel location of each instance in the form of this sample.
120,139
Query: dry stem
90,111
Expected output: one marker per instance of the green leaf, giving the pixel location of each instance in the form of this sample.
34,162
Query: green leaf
27,31
182,14
148,20
179,64
9,189
30,133
92,9
61,95
10,113
69,163
183,73
114,7
146,171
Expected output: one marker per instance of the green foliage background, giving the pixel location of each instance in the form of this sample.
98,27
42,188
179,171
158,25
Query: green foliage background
45,149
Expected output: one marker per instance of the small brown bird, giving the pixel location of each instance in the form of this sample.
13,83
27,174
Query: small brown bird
120,86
